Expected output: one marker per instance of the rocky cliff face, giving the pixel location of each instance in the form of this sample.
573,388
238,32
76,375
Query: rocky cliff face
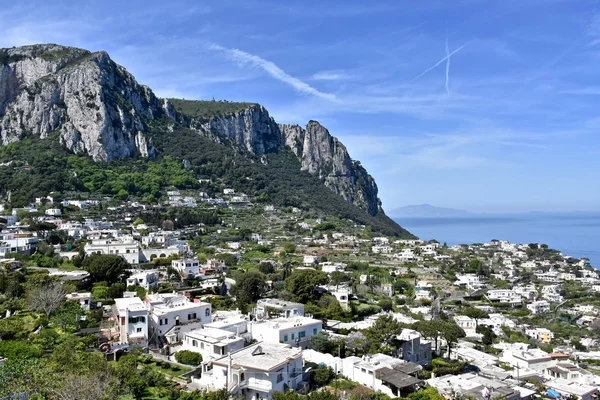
324,155
96,106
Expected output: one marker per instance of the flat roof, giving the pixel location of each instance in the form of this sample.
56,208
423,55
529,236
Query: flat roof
214,336
131,304
277,303
262,356
287,323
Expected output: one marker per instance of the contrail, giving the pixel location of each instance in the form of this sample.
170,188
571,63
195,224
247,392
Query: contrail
438,63
447,66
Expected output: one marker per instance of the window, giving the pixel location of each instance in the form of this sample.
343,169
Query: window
166,321
285,338
207,312
364,371
138,330
191,316
301,334
194,343
279,378
160,321
370,372
293,336
314,331
202,345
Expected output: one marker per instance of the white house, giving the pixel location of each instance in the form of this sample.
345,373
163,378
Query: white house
309,260
53,211
467,324
273,308
84,299
129,250
382,373
504,296
256,372
531,359
212,343
145,279
172,317
414,348
187,266
294,331
539,307
131,319
542,334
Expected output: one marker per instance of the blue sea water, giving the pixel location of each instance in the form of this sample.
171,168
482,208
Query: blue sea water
576,235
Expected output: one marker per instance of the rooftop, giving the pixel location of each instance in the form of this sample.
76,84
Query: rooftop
214,336
276,303
131,304
262,356
286,323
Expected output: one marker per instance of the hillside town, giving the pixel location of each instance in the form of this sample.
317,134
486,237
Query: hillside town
224,294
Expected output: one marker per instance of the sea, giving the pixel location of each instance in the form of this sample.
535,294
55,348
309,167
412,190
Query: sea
574,234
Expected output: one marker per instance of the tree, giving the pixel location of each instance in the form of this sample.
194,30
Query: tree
321,342
47,298
248,288
266,268
383,334
372,282
386,304
429,329
68,315
188,357
106,267
451,332
337,277
289,248
322,375
476,314
426,393
302,282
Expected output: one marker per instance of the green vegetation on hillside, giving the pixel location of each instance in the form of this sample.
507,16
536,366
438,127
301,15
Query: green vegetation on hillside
200,109
35,167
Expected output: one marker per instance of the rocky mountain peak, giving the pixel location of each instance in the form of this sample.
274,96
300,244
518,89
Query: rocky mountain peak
96,107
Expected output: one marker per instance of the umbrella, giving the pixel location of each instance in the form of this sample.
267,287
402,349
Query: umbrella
553,393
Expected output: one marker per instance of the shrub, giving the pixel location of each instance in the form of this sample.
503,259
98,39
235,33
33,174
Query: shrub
188,357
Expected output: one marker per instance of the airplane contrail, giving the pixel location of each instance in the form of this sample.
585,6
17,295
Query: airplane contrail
438,63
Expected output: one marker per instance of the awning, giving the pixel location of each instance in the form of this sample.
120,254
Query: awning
397,378
553,393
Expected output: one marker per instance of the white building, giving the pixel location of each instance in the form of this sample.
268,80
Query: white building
187,266
256,372
504,296
84,299
212,343
309,260
467,324
173,316
145,279
53,211
293,331
414,348
131,318
531,359
273,308
382,373
539,307
129,250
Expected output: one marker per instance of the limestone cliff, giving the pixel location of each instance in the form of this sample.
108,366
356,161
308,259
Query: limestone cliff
324,155
96,106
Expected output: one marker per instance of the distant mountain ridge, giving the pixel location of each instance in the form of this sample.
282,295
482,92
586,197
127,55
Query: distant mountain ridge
427,210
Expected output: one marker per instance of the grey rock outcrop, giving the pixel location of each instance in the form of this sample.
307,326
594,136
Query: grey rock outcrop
324,155
95,106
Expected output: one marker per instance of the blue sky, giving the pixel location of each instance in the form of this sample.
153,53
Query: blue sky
510,123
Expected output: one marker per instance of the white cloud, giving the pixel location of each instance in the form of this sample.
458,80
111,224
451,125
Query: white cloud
330,76
244,58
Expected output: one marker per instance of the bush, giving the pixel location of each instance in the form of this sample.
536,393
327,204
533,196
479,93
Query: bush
188,357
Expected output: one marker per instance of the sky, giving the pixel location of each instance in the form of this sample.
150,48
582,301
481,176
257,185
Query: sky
481,105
